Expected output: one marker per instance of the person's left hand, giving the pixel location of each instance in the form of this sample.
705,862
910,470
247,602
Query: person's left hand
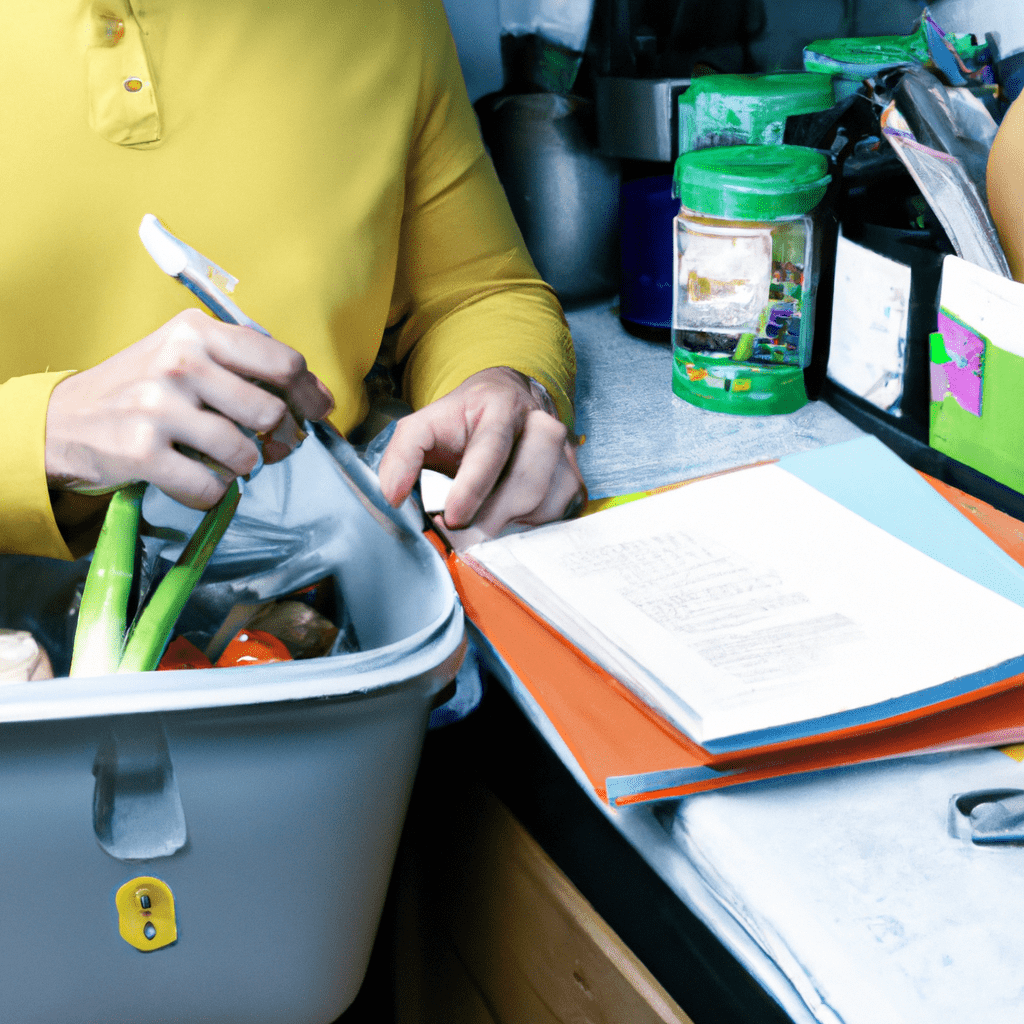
513,461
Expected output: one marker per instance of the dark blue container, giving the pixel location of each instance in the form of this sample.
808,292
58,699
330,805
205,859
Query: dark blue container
646,210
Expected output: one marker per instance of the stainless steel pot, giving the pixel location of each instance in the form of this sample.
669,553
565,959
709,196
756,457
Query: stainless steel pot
563,193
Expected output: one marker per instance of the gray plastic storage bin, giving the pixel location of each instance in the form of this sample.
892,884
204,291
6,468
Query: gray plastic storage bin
268,800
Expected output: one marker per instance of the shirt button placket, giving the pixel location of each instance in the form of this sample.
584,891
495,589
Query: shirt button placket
122,103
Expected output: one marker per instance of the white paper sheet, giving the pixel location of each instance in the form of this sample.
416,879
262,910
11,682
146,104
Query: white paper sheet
751,600
992,305
870,310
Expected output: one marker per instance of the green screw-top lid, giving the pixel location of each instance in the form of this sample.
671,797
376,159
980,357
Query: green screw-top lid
748,109
751,182
788,92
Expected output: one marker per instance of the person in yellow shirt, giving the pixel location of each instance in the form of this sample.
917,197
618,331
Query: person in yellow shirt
326,154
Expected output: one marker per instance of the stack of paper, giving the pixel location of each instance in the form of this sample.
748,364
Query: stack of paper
826,609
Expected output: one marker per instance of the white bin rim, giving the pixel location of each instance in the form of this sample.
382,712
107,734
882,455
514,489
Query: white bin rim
431,654
389,573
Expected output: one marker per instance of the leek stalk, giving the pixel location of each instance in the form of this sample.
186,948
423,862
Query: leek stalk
99,634
148,638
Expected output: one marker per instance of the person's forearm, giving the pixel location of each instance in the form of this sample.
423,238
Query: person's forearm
471,297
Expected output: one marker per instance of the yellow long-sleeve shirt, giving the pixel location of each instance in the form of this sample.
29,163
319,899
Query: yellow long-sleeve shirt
323,151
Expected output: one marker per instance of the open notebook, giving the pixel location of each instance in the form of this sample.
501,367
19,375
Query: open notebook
828,608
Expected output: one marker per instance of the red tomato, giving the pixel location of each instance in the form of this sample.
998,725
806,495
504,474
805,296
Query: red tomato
253,647
182,653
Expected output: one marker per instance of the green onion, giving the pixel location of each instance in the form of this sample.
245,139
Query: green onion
103,612
148,638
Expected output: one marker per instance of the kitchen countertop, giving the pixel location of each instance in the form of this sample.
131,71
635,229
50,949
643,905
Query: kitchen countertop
842,894
639,435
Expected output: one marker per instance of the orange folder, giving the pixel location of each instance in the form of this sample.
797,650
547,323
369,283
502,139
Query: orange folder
623,745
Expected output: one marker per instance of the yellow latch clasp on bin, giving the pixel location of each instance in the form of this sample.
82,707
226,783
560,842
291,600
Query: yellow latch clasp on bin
145,913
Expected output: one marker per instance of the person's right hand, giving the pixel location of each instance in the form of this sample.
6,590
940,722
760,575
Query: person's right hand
186,385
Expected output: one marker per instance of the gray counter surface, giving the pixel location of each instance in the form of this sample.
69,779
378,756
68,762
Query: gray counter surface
841,892
639,435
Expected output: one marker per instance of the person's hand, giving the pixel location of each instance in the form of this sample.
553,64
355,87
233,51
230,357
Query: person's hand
512,460
181,389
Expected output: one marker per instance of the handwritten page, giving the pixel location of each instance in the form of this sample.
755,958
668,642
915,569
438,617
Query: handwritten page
751,600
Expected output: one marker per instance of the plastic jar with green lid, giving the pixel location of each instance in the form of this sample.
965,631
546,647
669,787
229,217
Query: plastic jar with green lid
744,276
734,110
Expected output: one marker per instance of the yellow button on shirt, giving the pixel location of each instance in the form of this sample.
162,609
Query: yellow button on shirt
325,153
